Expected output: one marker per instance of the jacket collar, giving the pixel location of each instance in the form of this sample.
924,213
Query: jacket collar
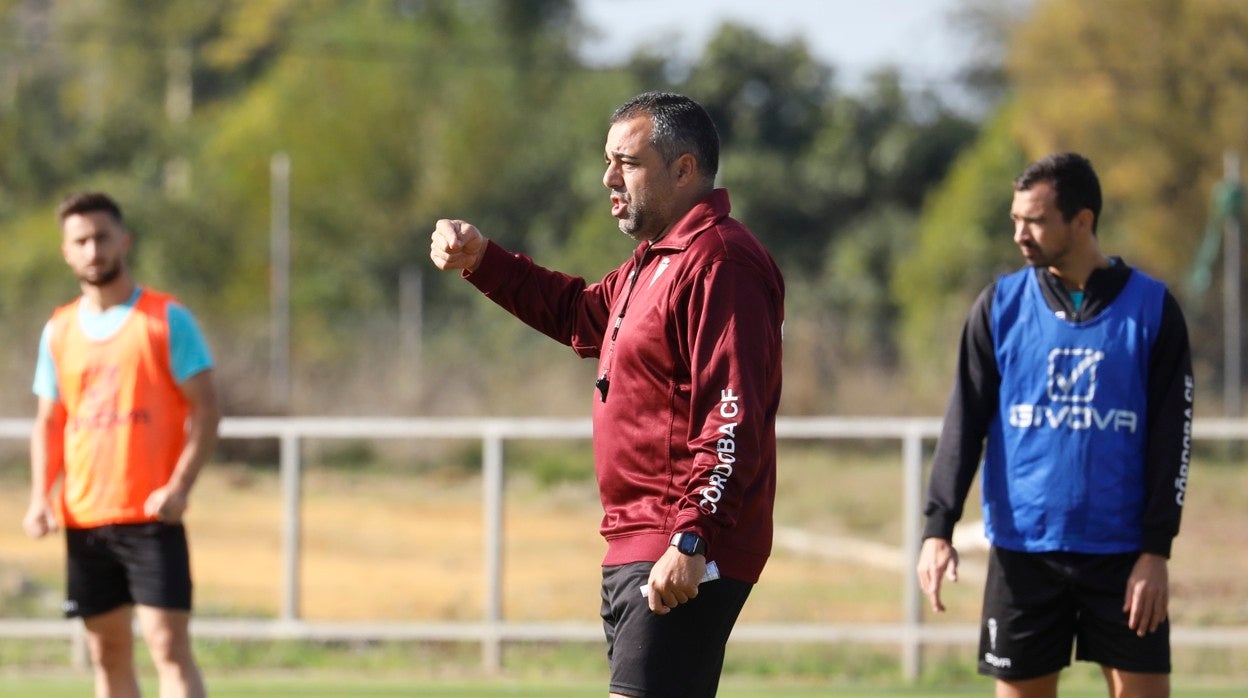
1102,287
713,208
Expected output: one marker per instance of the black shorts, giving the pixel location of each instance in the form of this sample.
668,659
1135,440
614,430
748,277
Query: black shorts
124,564
679,654
1036,605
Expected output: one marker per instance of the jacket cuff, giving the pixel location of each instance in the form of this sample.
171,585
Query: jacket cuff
490,272
939,526
1157,543
688,522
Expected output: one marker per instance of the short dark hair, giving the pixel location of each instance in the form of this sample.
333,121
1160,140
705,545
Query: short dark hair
1073,179
88,202
681,126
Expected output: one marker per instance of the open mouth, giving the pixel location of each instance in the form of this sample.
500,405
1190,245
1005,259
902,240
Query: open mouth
619,205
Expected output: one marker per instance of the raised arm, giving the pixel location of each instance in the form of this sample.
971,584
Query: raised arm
456,244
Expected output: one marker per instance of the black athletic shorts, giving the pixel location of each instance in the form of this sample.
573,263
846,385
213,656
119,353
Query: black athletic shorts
677,655
1036,605
123,564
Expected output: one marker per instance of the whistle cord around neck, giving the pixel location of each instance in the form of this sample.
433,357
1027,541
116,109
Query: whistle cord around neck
603,384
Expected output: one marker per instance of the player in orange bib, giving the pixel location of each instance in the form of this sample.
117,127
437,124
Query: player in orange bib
127,416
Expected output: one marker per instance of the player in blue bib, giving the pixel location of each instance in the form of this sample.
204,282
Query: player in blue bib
1074,386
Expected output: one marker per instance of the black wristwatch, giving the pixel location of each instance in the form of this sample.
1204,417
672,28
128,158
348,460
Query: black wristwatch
689,543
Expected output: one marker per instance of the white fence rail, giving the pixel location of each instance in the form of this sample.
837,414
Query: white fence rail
910,634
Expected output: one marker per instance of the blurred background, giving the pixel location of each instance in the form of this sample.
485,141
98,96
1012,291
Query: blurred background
882,190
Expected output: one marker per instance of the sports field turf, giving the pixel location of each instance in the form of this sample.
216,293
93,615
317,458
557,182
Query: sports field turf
222,687
551,529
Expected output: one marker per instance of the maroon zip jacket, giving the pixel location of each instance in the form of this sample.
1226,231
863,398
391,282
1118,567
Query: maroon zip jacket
687,335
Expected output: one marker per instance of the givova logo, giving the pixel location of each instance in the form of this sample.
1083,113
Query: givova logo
1070,388
991,655
1072,374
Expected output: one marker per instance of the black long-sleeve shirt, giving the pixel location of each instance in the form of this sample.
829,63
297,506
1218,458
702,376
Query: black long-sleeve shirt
974,401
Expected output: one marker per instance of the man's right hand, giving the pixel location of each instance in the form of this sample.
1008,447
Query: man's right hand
937,560
456,245
39,520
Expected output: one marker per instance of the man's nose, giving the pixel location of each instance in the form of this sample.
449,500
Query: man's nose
1021,233
611,178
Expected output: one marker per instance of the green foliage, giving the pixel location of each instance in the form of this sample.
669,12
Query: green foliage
1152,92
832,184
348,455
550,464
394,115
32,269
963,243
804,161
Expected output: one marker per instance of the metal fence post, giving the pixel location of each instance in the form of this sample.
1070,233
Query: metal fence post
79,653
912,464
492,500
291,533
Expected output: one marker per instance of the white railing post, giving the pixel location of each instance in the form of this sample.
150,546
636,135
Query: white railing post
492,506
912,602
291,528
79,653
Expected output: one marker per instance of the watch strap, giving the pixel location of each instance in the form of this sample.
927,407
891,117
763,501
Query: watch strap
689,543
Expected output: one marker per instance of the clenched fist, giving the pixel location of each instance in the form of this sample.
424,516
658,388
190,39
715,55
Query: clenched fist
456,245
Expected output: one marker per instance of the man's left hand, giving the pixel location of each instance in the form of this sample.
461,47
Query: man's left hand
674,580
1148,594
166,504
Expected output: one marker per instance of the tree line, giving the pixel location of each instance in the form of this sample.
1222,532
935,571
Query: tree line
885,206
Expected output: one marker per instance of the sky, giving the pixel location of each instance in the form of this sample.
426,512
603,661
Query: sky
855,36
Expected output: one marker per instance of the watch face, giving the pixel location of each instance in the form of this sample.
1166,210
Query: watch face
689,544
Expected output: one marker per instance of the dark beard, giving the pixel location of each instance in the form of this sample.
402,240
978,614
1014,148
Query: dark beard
105,278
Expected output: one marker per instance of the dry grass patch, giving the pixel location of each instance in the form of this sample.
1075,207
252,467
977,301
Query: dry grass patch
386,546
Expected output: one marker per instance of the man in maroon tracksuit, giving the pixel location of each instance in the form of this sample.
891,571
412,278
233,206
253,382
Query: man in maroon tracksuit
687,335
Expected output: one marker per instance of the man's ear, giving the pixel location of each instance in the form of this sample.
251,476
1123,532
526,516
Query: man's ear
1083,220
685,169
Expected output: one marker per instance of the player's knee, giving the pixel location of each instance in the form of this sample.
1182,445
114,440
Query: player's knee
1138,685
111,654
168,648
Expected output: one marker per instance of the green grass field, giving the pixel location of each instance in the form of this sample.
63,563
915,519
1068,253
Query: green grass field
285,687
282,669
356,568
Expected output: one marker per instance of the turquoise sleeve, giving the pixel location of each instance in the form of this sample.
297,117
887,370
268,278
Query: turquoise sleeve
45,370
188,351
